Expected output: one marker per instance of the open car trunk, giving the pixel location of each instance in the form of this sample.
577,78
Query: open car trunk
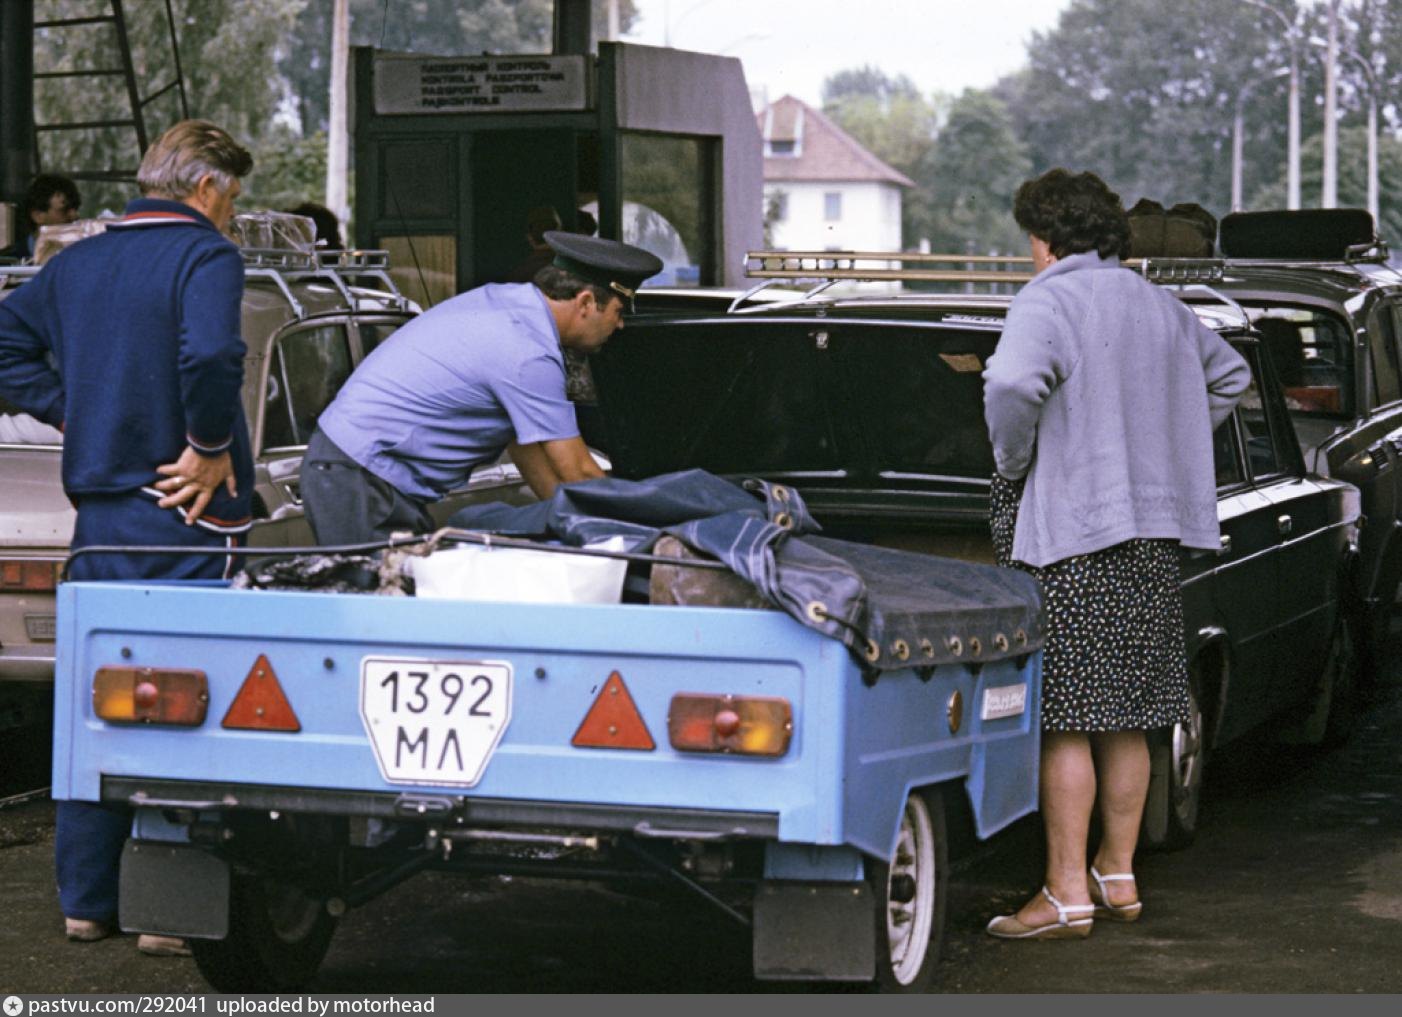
878,424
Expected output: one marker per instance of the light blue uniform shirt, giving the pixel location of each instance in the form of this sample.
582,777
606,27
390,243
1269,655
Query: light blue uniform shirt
452,388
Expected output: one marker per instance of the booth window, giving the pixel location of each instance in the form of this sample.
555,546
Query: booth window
669,204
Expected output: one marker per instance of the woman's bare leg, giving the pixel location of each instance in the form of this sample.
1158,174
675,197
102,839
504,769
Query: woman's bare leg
1068,796
1122,765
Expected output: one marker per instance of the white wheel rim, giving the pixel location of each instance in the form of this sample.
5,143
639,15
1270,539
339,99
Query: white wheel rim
908,925
1187,751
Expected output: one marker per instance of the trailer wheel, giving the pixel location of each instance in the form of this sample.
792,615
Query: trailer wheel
911,893
278,937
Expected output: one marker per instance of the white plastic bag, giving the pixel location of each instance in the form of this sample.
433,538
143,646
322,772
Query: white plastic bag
518,576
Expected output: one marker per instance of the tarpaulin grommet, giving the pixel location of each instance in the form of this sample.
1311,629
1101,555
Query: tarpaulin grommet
780,491
975,647
900,649
955,645
927,648
873,652
817,611
1021,637
1000,642
784,521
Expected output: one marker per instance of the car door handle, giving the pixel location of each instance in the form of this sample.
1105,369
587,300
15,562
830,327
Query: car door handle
1284,525
1226,544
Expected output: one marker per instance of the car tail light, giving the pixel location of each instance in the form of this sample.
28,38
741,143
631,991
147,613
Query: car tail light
751,725
150,695
613,722
261,704
29,574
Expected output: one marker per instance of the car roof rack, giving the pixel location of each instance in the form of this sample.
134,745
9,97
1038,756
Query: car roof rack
281,265
342,269
825,268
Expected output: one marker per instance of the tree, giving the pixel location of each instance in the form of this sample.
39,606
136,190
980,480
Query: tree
891,119
976,167
1353,179
1143,93
228,49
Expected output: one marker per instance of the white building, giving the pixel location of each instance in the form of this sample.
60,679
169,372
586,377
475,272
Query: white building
831,193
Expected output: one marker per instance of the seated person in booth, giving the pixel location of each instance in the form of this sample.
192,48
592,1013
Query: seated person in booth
539,221
464,381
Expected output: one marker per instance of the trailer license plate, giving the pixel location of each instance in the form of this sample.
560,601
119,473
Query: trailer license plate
434,721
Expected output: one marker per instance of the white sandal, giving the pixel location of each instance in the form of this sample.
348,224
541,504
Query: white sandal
1065,927
1103,907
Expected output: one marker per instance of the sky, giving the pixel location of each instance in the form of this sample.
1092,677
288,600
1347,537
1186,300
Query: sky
790,46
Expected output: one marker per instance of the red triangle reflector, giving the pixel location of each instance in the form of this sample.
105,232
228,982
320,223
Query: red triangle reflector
260,704
613,722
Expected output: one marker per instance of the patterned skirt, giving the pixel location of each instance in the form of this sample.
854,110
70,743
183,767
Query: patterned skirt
1114,657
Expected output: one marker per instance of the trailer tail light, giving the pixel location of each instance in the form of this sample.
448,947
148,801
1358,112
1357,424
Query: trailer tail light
29,575
261,704
150,695
750,725
613,722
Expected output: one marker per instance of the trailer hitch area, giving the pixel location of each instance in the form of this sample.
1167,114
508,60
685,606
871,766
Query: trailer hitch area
425,806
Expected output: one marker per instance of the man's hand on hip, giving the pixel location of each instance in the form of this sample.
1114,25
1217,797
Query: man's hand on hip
195,476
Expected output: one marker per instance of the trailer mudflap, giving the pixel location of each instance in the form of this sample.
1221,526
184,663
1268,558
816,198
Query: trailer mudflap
173,890
814,932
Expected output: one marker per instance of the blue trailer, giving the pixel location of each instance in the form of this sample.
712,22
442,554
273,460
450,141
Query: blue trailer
290,754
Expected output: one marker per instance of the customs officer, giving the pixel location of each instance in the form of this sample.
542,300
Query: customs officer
453,388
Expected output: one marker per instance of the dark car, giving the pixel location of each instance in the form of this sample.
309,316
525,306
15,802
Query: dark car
872,407
1317,287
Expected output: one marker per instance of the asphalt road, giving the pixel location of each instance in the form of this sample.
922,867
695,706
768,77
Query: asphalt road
1294,885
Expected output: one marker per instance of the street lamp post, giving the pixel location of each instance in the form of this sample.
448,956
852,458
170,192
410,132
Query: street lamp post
1238,132
1368,72
1292,145
1329,198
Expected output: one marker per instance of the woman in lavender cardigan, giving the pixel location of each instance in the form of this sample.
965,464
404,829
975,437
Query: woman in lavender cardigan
1101,400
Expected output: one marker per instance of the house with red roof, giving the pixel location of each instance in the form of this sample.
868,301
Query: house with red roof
825,191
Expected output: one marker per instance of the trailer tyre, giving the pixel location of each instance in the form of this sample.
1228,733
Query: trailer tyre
278,937
911,894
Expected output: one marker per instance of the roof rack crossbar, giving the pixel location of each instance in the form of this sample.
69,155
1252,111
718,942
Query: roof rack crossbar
887,266
264,272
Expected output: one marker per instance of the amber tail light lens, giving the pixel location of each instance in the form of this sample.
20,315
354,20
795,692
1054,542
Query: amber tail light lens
29,574
747,725
150,695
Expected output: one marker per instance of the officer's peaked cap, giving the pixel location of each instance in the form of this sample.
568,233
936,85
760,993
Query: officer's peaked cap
608,263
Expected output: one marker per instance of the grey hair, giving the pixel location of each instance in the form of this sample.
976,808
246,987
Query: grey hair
191,150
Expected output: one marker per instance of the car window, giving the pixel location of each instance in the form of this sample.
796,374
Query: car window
1312,353
308,368
1224,455
372,333
1262,440
1382,346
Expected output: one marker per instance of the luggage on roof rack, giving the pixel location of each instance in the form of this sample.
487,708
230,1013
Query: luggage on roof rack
1184,231
1311,234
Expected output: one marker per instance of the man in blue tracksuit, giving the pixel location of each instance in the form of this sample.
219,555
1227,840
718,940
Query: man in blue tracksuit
129,341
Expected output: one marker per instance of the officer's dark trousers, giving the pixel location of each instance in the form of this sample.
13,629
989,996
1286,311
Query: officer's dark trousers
347,504
89,836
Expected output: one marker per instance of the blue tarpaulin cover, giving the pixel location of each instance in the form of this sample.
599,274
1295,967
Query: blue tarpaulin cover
892,609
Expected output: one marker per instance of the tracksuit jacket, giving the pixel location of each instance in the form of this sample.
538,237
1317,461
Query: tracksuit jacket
130,342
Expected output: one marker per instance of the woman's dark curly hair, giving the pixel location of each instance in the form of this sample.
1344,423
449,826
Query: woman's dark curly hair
1073,213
